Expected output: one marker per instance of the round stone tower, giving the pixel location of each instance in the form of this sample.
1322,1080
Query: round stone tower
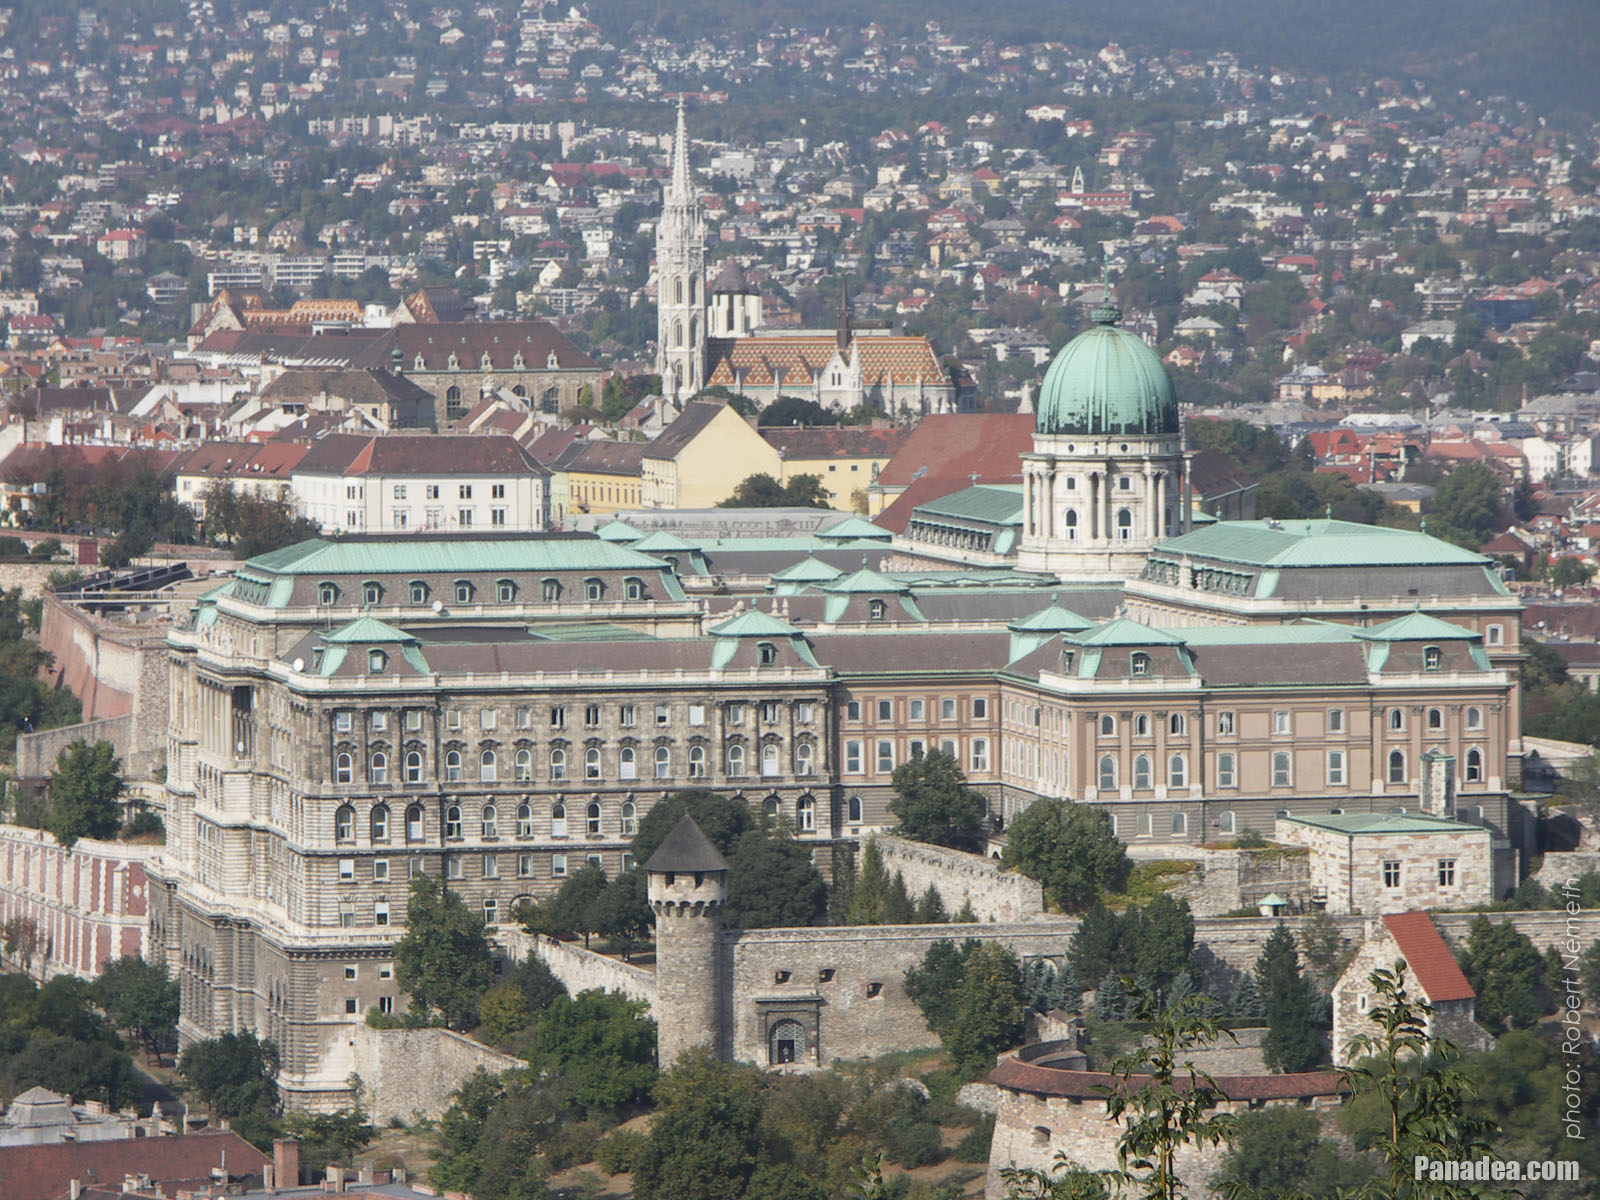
688,884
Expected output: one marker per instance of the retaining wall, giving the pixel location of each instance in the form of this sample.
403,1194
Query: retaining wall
37,752
578,969
995,894
408,1074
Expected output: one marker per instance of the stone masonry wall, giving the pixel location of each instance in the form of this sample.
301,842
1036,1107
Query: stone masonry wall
37,752
578,969
408,1074
995,894
1224,880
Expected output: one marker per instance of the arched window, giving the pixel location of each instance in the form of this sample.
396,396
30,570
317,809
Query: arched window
452,821
592,820
522,765
1141,725
628,818
1180,824
1140,663
1474,717
558,820
1141,771
452,766
771,807
1436,718
591,763
627,764
1177,725
414,766
1177,771
452,396
1430,658
803,758
491,821
677,290
378,767
1108,773
524,820
505,591
1397,766
806,813
1124,525
735,760
378,822
344,824
1069,521
1474,766
633,588
677,329
786,1043
1108,725
876,609
770,760
1397,718
558,764
1281,776
488,767
414,823
342,770
697,761
664,761
463,590
853,810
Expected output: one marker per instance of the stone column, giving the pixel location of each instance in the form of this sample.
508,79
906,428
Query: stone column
1151,509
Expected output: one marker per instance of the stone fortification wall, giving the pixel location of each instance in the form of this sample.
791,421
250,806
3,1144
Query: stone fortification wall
31,577
578,969
846,986
995,894
1223,880
408,1074
37,752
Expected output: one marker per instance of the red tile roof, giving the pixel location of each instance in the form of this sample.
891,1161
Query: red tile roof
1428,957
945,452
47,1172
1092,1085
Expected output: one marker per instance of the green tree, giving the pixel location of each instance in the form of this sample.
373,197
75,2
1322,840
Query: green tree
625,915
1162,1100
1469,502
1095,950
988,1009
1070,850
443,960
1066,1180
84,789
141,997
1291,1043
1160,937
930,908
935,982
503,1012
772,883
870,893
934,803
763,491
1571,572
720,818
602,1043
234,1074
327,1138
1506,972
1425,1101
1279,1152
706,1139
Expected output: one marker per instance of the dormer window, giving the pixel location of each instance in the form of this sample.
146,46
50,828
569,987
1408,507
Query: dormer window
876,609
593,589
549,591
517,361
418,365
1140,663
327,594
371,593
766,654
455,364
376,661
505,591
552,363
418,591
633,588
484,362
1430,658
463,592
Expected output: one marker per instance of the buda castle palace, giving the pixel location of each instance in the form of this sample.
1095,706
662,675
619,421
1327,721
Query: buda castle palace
348,713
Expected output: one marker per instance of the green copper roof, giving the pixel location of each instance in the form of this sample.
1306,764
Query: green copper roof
1123,632
1054,619
754,623
618,531
866,580
368,630
1106,381
1359,824
997,504
660,540
1417,627
808,570
1320,543
360,556
853,527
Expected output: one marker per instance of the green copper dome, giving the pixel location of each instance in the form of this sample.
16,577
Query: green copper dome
1106,381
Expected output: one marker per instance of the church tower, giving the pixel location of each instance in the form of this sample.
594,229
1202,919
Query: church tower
1107,478
687,884
681,278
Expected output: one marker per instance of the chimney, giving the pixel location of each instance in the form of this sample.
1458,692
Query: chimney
74,1189
286,1162
336,1178
269,1179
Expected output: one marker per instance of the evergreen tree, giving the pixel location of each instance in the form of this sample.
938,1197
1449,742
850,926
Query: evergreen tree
933,983
1291,1043
1247,1002
1159,937
772,883
898,908
1506,971
842,895
1095,949
870,895
1110,1000
930,909
84,789
989,1012
964,914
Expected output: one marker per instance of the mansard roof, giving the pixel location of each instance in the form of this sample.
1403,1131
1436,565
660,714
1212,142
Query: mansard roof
446,555
1319,543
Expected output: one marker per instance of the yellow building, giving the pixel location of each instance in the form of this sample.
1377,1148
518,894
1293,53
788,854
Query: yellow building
603,476
846,460
702,457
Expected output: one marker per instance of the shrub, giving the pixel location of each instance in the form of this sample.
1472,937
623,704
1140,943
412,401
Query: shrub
619,1153
1249,840
913,1142
974,1148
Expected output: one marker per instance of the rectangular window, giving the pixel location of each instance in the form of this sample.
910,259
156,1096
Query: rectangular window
885,710
735,714
852,758
452,866
349,1005
343,720
1336,720
497,516
465,492
770,710
885,757
380,911
1225,822
1335,768
980,754
980,708
380,870
1280,721
413,720
433,491
347,914
558,865
524,718
452,718
802,712
916,749
347,870
697,714
378,720
397,518
663,714
464,517
399,491
497,491
1391,873
625,716
852,711
1280,769
591,715
558,717
915,710
1226,776
491,866
386,1004
488,719
1447,872
524,866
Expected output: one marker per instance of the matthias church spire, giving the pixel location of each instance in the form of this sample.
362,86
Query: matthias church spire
681,276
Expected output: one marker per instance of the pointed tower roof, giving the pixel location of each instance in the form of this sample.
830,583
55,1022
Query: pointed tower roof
686,848
682,179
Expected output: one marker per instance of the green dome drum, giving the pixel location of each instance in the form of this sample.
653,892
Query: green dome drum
1106,382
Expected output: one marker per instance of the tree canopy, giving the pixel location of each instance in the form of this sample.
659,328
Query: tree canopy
84,789
443,960
934,803
141,997
1069,849
763,491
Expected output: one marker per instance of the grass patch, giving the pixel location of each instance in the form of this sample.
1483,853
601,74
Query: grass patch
1148,880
